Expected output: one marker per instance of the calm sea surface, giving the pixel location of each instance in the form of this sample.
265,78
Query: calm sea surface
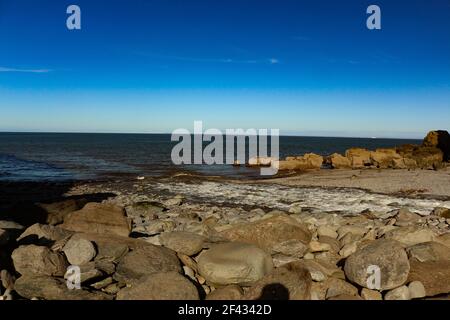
69,156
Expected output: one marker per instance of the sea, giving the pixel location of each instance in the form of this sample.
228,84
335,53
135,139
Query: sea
91,156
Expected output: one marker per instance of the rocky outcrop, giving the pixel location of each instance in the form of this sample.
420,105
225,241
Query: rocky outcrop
309,161
358,157
338,161
439,139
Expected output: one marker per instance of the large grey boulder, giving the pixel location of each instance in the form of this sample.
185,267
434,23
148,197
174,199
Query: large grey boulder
38,260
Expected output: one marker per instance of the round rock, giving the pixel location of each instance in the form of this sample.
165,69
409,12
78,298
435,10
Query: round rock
387,255
79,251
187,243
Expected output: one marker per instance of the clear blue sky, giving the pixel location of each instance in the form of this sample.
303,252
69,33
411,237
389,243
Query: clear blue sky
305,67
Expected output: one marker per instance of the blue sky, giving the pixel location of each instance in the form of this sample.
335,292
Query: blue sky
305,67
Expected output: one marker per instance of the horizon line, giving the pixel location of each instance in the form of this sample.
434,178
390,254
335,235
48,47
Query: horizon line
166,133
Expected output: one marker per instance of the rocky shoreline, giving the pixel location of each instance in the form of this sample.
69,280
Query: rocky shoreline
140,243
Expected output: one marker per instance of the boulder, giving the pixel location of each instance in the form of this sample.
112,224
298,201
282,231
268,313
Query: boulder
79,251
405,218
260,161
358,157
338,161
368,294
183,242
288,282
145,209
309,161
434,275
146,260
99,218
38,260
439,139
388,255
416,290
234,263
48,288
160,286
400,293
409,236
267,233
429,251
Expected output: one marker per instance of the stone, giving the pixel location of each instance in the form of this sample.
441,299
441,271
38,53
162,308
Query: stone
231,292
429,251
327,231
338,161
7,225
43,234
388,255
102,283
405,218
90,275
425,157
442,212
316,246
145,209
289,282
444,239
332,242
99,218
416,290
368,294
292,248
348,249
48,288
409,236
160,286
400,293
183,242
173,202
7,280
269,232
147,260
345,297
38,260
309,161
234,263
79,251
295,208
434,275
337,287
439,139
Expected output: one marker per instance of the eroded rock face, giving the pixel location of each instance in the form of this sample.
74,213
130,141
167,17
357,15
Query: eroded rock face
288,282
160,286
424,157
38,260
99,218
388,255
48,288
384,158
339,161
270,232
234,263
147,260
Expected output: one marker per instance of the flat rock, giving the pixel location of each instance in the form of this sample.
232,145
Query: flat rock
400,293
99,218
429,251
147,260
409,236
160,286
388,255
48,288
289,282
38,260
183,242
79,251
269,232
234,263
43,234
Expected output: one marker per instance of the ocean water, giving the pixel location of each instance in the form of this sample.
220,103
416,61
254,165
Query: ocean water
77,156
